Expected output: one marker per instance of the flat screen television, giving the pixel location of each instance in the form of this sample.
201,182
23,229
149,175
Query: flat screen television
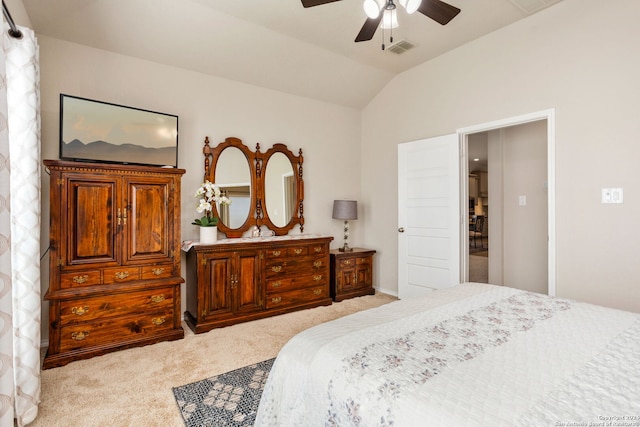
97,131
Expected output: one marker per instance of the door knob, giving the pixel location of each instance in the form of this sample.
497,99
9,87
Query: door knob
401,230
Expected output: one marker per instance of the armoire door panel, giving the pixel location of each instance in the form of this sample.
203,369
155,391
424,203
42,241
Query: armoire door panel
91,229
147,213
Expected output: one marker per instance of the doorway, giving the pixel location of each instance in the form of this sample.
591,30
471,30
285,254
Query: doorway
478,217
517,206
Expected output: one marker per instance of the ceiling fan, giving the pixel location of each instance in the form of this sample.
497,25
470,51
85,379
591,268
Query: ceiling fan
384,11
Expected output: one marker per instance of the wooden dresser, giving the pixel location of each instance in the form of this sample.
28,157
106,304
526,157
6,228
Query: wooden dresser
237,280
351,273
114,274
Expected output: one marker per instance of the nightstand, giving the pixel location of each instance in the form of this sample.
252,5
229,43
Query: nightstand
351,273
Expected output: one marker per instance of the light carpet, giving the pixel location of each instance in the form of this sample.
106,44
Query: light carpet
134,387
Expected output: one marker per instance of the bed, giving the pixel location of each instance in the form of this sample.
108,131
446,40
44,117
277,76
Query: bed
472,355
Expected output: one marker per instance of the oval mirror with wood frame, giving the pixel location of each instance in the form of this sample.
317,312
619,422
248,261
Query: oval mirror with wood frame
266,189
231,166
282,190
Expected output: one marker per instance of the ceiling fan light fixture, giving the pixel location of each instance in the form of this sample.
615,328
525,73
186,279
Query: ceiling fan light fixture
410,5
371,8
389,20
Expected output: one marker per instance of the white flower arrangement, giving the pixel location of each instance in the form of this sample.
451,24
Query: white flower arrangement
208,195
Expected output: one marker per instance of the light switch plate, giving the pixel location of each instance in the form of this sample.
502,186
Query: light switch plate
612,195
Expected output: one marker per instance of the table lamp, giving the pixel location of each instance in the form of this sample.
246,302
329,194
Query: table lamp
345,210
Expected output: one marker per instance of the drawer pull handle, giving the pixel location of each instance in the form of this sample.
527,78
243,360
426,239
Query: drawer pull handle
317,249
317,291
80,279
157,298
276,253
317,264
347,262
276,284
317,277
297,251
122,275
276,300
276,268
158,321
157,271
79,311
79,336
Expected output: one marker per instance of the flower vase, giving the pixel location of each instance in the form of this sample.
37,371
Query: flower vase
208,235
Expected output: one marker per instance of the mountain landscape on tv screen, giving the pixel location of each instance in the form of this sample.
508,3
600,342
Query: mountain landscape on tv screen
125,153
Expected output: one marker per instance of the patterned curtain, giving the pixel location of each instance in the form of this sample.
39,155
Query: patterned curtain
19,228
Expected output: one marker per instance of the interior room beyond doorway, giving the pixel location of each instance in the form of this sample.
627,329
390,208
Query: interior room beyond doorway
478,196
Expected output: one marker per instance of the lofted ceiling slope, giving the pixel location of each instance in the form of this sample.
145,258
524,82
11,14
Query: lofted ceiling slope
276,44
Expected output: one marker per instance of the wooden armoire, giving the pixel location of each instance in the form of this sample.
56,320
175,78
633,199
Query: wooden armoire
114,273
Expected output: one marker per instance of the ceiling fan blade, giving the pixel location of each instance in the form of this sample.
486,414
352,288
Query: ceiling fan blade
369,29
311,3
439,11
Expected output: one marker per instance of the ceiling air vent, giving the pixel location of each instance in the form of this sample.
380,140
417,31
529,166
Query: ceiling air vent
401,47
531,6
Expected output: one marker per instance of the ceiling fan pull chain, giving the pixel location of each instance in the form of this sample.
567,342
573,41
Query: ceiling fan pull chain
391,29
383,38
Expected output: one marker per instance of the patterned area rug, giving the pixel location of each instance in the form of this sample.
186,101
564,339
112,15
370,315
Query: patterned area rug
230,399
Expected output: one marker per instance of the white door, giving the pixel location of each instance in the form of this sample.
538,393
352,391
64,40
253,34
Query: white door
428,215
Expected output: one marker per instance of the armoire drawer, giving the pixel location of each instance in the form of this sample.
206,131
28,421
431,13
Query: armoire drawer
156,271
79,279
113,331
120,274
124,304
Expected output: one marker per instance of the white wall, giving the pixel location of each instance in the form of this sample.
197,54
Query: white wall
207,106
577,57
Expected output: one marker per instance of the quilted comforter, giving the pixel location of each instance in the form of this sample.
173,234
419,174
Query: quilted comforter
472,355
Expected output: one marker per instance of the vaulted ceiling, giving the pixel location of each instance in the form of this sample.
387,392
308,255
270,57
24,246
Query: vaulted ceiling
276,44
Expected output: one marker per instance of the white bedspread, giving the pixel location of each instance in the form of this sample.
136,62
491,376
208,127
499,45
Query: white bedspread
473,355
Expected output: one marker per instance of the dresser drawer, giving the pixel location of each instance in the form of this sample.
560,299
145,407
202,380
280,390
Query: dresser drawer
319,278
78,279
297,296
120,274
280,284
113,331
302,281
318,249
296,251
273,253
295,266
156,271
88,309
